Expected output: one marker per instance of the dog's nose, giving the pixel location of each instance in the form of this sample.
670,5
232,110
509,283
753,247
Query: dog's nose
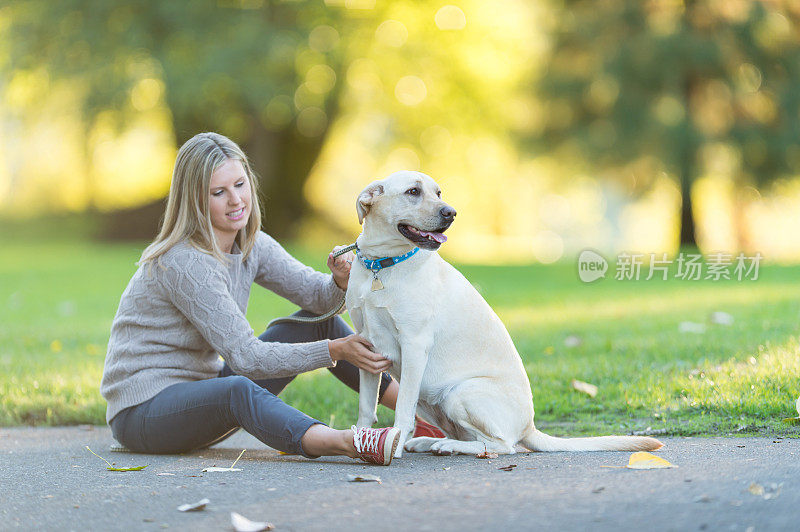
448,213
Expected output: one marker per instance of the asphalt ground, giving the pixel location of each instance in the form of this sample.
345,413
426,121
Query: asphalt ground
49,481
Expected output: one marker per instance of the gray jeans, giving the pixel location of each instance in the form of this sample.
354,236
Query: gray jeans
194,415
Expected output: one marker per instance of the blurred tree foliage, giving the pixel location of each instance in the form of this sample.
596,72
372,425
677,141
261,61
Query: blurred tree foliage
266,74
275,75
683,87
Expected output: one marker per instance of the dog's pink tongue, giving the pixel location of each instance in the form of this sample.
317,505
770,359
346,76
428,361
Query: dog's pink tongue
439,237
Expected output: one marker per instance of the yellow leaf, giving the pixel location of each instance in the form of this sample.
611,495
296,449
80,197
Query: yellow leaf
643,460
585,387
56,346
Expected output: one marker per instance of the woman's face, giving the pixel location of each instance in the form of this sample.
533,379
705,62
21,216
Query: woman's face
229,202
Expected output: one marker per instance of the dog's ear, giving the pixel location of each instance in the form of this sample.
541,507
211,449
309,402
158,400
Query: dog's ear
366,198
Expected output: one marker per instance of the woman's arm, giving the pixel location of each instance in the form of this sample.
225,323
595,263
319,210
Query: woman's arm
289,278
195,284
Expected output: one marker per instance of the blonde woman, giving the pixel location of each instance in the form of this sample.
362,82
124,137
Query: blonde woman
167,389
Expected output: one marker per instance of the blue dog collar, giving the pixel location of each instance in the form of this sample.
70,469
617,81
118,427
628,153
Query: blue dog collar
378,264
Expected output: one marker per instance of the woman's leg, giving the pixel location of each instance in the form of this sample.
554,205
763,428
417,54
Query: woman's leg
191,415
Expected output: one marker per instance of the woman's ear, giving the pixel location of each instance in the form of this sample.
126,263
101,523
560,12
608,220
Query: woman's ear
366,199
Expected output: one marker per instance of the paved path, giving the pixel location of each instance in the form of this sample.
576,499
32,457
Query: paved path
48,481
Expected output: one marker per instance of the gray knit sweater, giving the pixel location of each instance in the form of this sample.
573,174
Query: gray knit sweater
177,317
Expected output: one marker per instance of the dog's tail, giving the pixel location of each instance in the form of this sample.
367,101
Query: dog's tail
535,440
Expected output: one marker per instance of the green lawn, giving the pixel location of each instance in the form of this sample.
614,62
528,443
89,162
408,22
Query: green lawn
58,297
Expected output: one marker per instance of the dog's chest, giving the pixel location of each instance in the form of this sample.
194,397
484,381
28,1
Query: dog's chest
373,313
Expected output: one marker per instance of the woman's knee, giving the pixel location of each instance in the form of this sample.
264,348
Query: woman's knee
239,387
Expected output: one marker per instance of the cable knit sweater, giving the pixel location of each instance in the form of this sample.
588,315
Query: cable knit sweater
178,316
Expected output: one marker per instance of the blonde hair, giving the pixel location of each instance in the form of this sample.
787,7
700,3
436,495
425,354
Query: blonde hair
187,216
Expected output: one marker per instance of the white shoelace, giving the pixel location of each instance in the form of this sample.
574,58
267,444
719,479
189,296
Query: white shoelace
365,440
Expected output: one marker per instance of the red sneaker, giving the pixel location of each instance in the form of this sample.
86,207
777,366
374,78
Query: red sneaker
426,429
376,446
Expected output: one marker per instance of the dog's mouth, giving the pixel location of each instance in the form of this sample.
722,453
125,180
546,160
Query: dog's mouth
424,239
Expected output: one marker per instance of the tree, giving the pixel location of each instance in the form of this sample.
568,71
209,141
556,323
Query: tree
266,74
689,85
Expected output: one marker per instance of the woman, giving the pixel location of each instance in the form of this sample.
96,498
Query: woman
167,389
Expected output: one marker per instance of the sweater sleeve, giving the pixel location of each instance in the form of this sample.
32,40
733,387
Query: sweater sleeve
196,285
289,278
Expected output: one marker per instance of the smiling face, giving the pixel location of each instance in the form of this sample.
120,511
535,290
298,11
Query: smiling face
407,206
229,202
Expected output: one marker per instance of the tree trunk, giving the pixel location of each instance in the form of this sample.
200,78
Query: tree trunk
283,161
687,167
687,214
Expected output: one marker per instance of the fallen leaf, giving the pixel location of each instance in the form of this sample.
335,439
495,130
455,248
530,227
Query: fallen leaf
509,467
643,460
111,466
363,478
770,491
721,318
703,498
486,454
242,524
598,490
691,327
221,469
194,507
585,387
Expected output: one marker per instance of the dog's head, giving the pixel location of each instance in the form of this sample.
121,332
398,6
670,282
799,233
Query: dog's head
407,205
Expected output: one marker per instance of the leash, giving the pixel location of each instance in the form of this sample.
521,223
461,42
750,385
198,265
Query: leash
316,319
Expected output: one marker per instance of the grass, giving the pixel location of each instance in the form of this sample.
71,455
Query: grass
58,297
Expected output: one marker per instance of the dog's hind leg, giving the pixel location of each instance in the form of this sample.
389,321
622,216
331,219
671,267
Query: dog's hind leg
448,446
421,444
480,420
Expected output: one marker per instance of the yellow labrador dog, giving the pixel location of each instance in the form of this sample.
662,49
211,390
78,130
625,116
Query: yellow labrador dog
453,357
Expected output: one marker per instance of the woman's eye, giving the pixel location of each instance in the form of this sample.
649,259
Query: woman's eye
239,184
217,193
413,191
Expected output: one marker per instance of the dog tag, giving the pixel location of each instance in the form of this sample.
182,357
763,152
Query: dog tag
376,284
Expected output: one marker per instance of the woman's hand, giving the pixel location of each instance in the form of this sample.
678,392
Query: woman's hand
340,266
358,351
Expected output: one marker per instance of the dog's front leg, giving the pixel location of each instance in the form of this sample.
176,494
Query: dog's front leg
415,358
368,387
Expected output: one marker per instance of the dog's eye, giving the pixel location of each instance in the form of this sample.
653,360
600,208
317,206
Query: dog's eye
438,193
413,191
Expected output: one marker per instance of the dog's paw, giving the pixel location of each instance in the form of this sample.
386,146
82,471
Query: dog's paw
420,445
447,446
403,438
